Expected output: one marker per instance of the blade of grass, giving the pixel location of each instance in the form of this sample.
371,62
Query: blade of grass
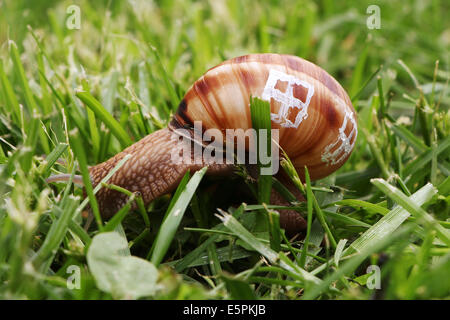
136,197
234,226
309,199
78,150
345,219
191,256
46,99
385,227
391,221
414,209
104,116
409,137
286,246
355,261
50,160
33,109
173,217
12,104
225,254
339,250
321,217
174,98
214,263
56,234
355,97
426,157
356,203
274,229
238,289
29,99
260,114
119,216
359,71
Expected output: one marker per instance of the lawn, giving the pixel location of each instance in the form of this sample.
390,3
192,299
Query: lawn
81,80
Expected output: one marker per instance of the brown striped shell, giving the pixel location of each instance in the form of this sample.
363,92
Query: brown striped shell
314,115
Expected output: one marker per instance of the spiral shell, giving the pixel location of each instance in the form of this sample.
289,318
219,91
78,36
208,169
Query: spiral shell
314,115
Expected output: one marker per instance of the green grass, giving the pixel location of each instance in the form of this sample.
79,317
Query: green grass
73,98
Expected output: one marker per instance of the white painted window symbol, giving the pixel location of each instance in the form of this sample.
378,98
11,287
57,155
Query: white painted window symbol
287,99
342,146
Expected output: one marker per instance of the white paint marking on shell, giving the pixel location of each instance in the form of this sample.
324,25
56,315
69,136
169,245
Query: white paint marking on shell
344,147
287,99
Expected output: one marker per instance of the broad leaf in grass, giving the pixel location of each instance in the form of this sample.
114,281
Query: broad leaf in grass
116,271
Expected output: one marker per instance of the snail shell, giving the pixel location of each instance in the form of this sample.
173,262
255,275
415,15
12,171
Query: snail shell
314,115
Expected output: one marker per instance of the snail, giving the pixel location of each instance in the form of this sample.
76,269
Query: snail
312,112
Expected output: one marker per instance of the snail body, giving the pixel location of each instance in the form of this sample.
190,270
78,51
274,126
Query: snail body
313,113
